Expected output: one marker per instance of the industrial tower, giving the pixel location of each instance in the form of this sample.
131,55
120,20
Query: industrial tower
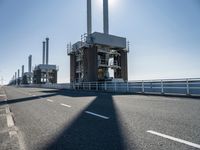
97,53
45,73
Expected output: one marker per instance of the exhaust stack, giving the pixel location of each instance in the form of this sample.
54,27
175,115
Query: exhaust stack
105,17
18,73
15,75
89,17
22,70
43,54
29,63
47,51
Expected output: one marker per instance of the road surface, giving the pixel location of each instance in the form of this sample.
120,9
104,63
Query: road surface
65,119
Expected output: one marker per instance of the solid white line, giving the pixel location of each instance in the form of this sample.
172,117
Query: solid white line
174,139
10,121
49,100
7,110
65,105
94,114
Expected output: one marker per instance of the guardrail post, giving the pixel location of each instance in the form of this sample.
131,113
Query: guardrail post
127,87
105,86
115,86
96,86
83,86
188,88
142,86
89,86
162,89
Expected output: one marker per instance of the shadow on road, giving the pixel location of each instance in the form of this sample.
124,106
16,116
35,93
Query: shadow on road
88,132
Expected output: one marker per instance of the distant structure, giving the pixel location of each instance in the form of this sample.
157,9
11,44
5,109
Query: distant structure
97,53
27,76
45,73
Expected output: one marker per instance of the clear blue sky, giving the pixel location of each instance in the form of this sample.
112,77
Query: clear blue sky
164,34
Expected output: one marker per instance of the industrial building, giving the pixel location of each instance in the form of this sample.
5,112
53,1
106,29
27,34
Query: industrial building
45,73
27,76
98,56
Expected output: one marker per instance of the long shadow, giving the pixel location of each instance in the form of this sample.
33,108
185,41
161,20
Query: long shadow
11,101
69,93
88,132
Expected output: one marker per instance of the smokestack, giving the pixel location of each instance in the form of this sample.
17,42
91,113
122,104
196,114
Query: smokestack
89,17
22,70
29,63
18,73
47,51
105,17
43,54
15,75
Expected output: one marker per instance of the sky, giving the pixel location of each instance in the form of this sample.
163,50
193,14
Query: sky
164,35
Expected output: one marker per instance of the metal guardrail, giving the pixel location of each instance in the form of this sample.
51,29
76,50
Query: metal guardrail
189,87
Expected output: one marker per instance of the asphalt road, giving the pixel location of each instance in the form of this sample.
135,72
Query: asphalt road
64,119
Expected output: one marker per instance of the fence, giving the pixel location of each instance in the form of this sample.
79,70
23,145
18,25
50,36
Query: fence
189,87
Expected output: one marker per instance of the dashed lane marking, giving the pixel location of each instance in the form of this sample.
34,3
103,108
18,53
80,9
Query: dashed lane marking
97,115
65,105
174,139
49,100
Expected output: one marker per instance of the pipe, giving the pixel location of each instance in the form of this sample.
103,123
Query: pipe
43,54
15,75
47,51
15,78
22,70
29,63
18,73
105,17
89,17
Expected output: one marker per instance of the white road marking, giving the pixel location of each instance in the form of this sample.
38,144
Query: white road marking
94,114
174,139
7,110
10,121
65,105
12,133
33,95
49,100
3,95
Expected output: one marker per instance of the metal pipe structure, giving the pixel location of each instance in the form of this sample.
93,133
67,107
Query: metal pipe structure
22,70
18,73
47,51
16,77
89,17
105,17
29,63
43,54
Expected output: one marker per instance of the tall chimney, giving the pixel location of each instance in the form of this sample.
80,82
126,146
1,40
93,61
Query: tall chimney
89,17
15,75
105,17
18,73
29,63
43,54
47,51
22,70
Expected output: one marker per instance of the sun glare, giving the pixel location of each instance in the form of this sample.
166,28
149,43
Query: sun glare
112,3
